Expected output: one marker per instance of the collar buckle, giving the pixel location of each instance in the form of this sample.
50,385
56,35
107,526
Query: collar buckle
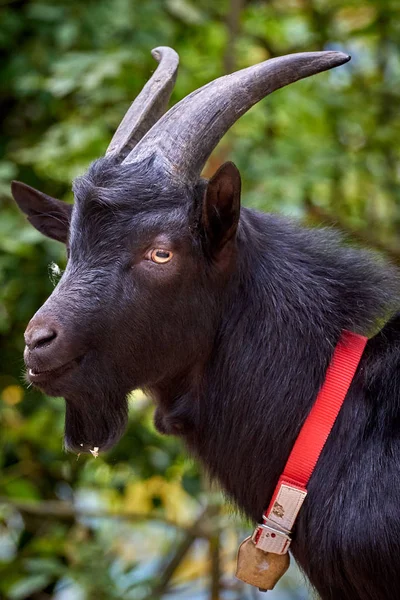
269,538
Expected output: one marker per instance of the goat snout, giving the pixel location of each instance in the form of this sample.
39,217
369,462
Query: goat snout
48,353
44,339
39,335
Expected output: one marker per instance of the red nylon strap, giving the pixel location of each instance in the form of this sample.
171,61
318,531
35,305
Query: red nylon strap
318,425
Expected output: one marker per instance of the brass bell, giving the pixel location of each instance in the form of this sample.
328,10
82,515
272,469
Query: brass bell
259,568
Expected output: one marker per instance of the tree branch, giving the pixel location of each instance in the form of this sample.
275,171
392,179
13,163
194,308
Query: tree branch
178,556
215,558
66,511
233,27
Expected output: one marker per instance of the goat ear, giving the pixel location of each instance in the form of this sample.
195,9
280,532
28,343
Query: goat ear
221,206
48,215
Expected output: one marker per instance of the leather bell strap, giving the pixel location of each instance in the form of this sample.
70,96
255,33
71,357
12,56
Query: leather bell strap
274,534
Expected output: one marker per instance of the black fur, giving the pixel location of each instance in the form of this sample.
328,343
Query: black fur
233,343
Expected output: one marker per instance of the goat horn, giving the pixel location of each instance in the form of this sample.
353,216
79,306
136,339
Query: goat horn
148,106
185,136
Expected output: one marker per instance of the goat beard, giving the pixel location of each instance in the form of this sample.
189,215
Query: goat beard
91,424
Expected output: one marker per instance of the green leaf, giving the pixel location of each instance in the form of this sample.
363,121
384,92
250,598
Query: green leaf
28,586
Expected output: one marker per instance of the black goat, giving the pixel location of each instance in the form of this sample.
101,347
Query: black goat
228,322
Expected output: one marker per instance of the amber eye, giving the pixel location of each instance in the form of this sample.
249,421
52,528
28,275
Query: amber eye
160,256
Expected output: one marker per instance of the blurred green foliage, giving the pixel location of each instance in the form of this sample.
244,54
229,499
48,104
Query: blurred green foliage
325,150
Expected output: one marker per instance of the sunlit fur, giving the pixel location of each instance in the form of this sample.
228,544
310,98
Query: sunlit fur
234,347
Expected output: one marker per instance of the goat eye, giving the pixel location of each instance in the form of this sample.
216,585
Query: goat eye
160,256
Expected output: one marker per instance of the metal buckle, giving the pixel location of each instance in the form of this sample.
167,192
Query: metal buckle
271,539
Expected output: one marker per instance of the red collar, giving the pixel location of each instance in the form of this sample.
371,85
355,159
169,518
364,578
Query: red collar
274,535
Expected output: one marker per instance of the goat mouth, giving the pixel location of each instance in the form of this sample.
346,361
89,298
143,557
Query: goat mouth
36,377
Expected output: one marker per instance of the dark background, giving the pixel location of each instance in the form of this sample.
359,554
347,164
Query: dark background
325,150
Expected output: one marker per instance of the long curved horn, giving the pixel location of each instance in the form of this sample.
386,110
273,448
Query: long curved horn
185,136
148,106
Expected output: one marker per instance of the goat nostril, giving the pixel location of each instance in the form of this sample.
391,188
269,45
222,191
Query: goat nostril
41,337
